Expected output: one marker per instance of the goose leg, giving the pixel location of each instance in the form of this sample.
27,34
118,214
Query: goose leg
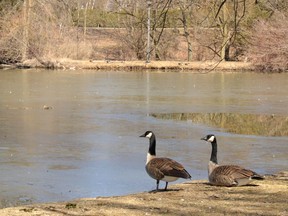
166,186
157,183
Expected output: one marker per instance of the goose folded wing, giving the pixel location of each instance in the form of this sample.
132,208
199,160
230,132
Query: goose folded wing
170,167
236,172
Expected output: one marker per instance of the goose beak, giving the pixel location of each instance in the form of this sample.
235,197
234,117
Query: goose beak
143,135
203,138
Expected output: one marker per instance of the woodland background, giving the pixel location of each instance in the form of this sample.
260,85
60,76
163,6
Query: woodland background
185,30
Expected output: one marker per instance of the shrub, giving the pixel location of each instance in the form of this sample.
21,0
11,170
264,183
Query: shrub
269,48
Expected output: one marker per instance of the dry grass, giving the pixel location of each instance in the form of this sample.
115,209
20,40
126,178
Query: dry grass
134,65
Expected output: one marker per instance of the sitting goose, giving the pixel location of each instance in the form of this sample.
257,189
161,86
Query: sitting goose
160,168
227,175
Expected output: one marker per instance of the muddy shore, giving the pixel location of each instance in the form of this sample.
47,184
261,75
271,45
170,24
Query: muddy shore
268,197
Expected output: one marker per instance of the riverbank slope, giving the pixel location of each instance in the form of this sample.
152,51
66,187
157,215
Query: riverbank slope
268,197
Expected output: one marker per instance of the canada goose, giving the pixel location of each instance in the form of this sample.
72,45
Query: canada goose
227,175
160,168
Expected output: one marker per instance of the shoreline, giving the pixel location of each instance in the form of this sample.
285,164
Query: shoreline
203,66
157,65
195,197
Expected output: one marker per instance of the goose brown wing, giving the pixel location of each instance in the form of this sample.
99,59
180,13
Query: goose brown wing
167,167
234,172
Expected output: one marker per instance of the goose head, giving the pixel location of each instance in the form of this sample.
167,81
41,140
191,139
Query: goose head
147,134
209,138
212,139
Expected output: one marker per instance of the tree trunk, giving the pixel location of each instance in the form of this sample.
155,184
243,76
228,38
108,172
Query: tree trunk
225,46
85,21
186,34
26,25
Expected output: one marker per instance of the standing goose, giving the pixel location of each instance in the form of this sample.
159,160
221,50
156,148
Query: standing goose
227,175
160,168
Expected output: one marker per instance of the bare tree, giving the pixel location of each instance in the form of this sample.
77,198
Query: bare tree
10,19
135,22
185,8
26,23
132,17
39,29
160,11
228,17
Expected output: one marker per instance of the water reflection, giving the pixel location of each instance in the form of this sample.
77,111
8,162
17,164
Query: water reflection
250,124
88,144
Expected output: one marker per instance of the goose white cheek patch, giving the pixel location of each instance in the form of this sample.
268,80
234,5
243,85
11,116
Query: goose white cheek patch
149,135
211,139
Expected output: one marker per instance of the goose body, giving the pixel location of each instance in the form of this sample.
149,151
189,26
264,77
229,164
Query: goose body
227,175
161,168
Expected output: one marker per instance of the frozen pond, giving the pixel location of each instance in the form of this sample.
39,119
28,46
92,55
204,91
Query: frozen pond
73,134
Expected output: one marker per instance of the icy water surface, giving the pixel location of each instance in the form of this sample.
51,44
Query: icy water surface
72,134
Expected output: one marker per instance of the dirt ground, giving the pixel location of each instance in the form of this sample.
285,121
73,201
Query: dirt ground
268,197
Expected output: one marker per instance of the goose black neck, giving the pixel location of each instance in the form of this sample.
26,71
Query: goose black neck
213,157
152,146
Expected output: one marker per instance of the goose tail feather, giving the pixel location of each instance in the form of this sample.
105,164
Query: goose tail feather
257,177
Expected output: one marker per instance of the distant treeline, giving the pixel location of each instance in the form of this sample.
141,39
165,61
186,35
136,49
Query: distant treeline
221,30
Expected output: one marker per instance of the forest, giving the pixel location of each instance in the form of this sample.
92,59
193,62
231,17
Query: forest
184,30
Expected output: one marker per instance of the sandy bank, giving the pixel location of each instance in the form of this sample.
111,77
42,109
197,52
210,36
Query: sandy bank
268,197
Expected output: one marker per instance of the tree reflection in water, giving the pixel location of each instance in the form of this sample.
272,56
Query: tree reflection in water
250,124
